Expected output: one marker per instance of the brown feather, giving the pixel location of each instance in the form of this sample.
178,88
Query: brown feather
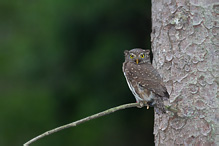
144,80
149,78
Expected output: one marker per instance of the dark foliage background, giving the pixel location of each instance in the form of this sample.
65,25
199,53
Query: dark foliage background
61,61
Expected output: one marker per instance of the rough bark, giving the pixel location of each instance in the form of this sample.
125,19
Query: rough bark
185,45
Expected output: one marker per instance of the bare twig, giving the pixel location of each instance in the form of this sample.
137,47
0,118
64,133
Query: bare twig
171,109
106,112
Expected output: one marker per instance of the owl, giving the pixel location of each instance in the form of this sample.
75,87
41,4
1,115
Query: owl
144,80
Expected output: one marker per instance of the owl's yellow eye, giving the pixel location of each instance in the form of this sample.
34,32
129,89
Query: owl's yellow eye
131,56
142,55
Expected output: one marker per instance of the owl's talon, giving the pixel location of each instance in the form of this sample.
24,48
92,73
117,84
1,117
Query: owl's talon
146,104
141,104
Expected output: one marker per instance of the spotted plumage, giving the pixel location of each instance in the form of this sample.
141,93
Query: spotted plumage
144,80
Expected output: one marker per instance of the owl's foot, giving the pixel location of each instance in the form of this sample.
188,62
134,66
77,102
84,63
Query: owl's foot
146,104
141,104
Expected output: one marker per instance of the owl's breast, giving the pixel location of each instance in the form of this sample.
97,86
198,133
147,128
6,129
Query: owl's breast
137,81
133,87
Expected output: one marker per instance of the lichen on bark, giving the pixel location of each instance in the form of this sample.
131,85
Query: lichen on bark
186,53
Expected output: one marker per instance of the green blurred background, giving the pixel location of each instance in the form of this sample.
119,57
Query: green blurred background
61,61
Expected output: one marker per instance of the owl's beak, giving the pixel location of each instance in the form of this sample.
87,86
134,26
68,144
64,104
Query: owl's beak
137,61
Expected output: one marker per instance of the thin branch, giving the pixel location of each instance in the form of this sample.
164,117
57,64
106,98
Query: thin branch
172,110
73,124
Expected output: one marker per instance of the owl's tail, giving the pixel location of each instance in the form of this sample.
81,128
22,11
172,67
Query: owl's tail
159,107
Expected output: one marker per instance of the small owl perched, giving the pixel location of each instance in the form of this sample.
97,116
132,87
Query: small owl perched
144,80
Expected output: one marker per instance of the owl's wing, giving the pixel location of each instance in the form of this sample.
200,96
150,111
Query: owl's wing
155,82
148,77
155,87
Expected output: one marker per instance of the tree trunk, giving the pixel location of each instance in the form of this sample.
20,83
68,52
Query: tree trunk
185,45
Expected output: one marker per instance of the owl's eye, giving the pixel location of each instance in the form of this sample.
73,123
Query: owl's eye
142,55
131,56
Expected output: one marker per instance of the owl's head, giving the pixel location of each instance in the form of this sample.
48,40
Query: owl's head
137,56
